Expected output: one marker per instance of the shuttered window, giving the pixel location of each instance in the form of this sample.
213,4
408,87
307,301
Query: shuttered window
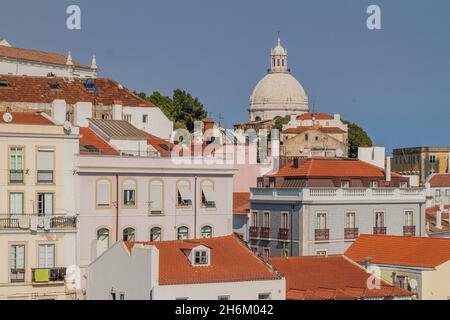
156,197
103,193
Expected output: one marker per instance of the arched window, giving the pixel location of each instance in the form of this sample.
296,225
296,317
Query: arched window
155,234
102,239
206,232
103,193
129,234
208,194
184,193
129,192
183,233
156,197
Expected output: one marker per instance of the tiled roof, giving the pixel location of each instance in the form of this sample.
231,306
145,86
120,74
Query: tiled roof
175,267
27,118
241,205
329,278
119,129
164,147
302,129
402,251
38,56
91,143
317,116
332,167
430,217
440,180
37,90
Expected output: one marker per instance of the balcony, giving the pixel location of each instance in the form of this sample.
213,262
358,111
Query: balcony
45,176
409,231
351,233
253,232
17,275
46,275
265,233
322,234
379,230
15,176
283,234
29,221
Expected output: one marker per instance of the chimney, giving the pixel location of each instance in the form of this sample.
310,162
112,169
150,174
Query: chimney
59,110
388,169
439,217
82,112
208,124
337,117
117,110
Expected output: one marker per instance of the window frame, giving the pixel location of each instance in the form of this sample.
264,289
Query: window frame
102,206
125,205
134,233
150,211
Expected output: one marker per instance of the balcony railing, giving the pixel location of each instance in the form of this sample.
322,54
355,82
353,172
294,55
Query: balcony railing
379,230
46,275
265,232
283,234
15,176
351,233
409,231
322,234
17,275
45,176
253,232
31,221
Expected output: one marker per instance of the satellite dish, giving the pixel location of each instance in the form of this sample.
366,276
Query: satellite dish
67,126
7,117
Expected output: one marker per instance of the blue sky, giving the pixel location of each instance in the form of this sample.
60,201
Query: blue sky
394,82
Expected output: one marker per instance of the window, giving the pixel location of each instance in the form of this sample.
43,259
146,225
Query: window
45,163
155,234
129,234
201,257
438,193
113,295
4,84
126,117
285,252
122,296
447,192
379,219
129,193
321,252
46,256
374,184
183,233
16,165
317,138
432,158
45,203
208,195
409,218
254,249
264,296
321,221
284,220
254,220
225,297
345,184
306,137
206,232
266,219
145,118
156,197
350,222
272,183
103,193
184,193
102,240
17,263
266,253
15,204
403,184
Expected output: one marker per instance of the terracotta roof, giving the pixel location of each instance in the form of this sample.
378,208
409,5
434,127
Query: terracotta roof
175,267
440,180
91,143
329,278
37,90
317,116
302,129
164,147
332,167
241,206
27,118
38,56
401,251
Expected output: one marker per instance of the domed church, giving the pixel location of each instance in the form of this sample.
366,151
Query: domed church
278,94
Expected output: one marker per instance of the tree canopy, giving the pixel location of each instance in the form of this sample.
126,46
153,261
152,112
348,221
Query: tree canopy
357,137
182,108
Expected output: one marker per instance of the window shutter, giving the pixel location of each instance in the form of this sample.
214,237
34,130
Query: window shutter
45,160
48,198
183,188
16,203
156,196
103,193
208,192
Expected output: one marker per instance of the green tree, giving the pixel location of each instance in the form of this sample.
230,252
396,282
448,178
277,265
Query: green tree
280,122
357,137
182,108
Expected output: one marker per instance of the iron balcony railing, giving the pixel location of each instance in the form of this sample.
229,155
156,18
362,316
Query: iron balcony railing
283,233
253,232
15,176
322,234
379,230
46,275
351,233
17,275
30,221
409,231
265,232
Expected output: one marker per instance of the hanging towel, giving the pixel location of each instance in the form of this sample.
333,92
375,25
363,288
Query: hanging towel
24,222
40,221
34,223
41,275
47,221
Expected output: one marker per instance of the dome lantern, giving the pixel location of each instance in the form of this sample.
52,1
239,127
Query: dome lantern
278,59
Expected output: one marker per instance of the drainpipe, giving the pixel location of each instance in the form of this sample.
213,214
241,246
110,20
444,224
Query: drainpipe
117,207
195,207
292,231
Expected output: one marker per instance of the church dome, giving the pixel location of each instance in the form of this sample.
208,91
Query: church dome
278,94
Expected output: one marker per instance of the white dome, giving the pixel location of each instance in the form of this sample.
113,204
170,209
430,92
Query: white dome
277,94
